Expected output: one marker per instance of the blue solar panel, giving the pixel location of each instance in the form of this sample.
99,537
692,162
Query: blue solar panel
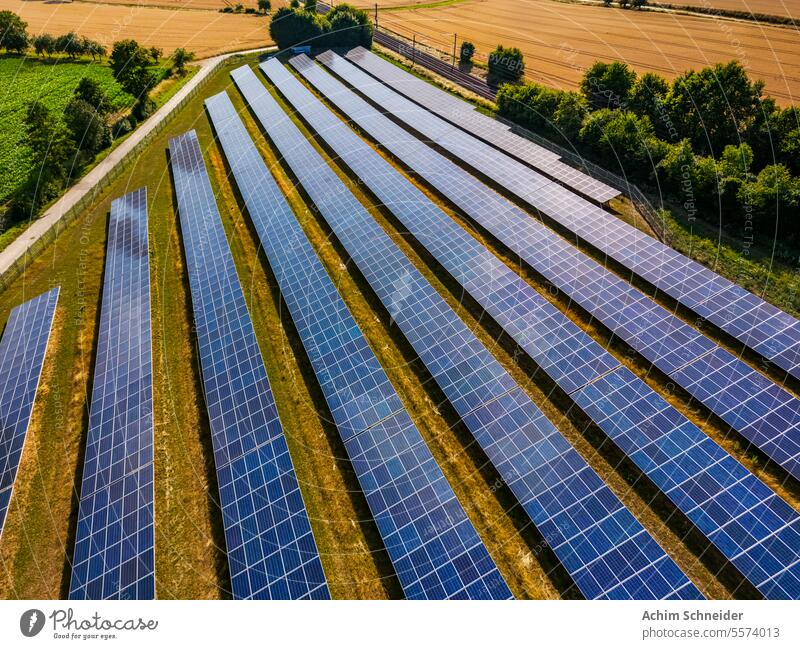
600,543
22,352
114,544
271,549
463,115
435,549
532,321
739,313
665,340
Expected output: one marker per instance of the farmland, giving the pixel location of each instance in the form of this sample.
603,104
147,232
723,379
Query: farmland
568,38
203,32
765,7
23,80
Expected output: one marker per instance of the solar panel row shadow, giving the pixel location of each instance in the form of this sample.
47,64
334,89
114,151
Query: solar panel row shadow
271,549
463,115
764,328
22,352
605,549
114,543
436,551
762,412
567,354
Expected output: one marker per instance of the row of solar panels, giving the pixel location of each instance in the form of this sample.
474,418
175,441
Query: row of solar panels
681,460
764,413
621,404
756,324
435,550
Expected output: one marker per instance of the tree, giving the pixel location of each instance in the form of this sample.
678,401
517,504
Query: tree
70,44
648,97
311,5
570,113
93,48
264,6
346,26
290,27
773,199
13,32
87,127
735,161
638,4
52,153
129,63
690,178
294,4
624,3
92,93
466,53
180,57
506,64
608,85
715,106
620,140
44,44
155,54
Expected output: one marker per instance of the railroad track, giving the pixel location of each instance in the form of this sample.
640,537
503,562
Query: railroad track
434,64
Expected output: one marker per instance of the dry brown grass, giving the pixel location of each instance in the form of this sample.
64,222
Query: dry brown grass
560,40
203,32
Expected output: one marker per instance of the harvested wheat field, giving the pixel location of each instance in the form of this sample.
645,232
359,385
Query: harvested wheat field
766,7
215,5
561,40
204,32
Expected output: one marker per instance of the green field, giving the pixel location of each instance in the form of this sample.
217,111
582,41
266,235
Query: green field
23,80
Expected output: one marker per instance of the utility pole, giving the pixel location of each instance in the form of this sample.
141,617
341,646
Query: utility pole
455,37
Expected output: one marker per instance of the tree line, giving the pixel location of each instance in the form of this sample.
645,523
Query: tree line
63,144
710,140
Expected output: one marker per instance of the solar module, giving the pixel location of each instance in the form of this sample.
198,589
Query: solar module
22,351
436,551
462,114
574,361
762,327
605,549
763,413
114,542
271,549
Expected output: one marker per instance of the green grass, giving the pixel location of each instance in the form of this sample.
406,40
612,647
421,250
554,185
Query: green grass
23,80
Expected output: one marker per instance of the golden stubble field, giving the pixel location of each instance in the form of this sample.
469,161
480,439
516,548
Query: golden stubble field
560,40
768,7
205,32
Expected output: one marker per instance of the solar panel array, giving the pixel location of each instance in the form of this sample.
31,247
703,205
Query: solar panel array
435,549
22,352
574,361
761,326
114,543
271,549
463,115
605,549
765,414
